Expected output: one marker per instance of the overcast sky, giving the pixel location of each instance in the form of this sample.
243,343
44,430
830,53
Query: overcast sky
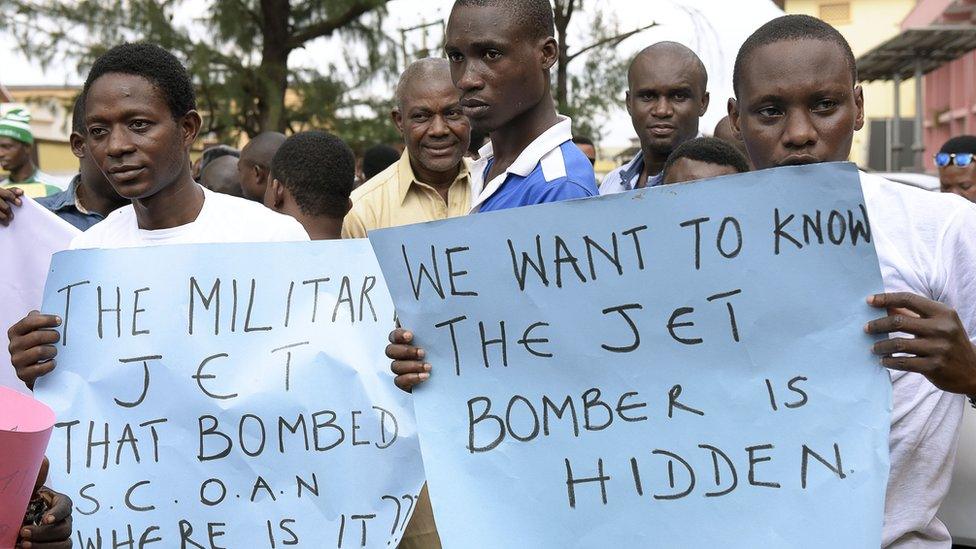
713,28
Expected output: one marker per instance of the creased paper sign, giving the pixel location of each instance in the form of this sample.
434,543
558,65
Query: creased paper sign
26,246
25,427
682,366
229,396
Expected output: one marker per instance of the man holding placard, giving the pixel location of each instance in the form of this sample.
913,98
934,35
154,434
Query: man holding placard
798,102
141,118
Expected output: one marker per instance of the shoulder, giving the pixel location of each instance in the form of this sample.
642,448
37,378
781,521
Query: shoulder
107,232
885,198
255,220
375,187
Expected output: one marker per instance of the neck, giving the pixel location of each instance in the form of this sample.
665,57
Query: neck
22,173
98,203
653,164
511,139
439,180
321,227
177,204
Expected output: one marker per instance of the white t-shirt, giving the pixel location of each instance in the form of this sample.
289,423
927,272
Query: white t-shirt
926,245
223,218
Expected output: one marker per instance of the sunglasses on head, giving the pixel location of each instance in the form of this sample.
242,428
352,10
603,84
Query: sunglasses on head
959,159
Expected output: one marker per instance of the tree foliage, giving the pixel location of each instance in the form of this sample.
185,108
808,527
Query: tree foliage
236,50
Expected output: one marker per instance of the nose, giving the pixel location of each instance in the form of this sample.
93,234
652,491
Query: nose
662,108
438,127
800,132
119,144
468,77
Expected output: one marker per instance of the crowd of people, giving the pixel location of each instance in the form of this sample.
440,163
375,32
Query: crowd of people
796,101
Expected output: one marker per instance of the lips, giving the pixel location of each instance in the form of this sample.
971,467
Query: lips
440,150
661,130
799,160
474,107
125,173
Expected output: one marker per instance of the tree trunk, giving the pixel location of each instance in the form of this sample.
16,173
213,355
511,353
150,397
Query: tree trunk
272,73
563,13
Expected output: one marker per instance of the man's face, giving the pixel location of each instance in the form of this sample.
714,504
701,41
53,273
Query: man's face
686,169
665,99
961,181
132,136
434,129
797,104
499,69
14,155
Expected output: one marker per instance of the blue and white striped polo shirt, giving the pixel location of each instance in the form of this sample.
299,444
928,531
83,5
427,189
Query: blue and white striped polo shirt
550,169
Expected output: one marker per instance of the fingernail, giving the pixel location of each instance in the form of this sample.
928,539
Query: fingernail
870,300
867,328
57,320
426,367
424,376
420,353
408,336
25,533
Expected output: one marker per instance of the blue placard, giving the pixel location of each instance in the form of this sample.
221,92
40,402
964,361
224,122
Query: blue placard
229,396
681,366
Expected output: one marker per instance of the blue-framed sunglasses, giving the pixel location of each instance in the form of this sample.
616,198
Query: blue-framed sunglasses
959,159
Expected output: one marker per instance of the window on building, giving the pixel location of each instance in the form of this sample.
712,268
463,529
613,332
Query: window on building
836,13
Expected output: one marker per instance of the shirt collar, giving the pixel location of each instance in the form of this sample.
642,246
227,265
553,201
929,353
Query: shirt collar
632,169
527,160
406,177
68,197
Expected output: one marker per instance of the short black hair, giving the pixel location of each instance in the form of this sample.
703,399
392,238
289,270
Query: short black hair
378,158
790,28
319,171
960,144
78,115
535,15
583,140
154,64
708,149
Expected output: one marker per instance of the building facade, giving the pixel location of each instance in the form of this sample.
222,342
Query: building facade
950,90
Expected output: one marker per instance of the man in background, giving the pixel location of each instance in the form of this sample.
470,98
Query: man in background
220,175
17,157
312,175
255,163
957,171
703,158
89,197
378,158
430,180
667,94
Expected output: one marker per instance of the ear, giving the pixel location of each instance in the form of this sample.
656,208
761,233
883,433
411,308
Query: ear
397,118
704,105
859,104
274,195
550,53
190,124
77,143
627,102
733,109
